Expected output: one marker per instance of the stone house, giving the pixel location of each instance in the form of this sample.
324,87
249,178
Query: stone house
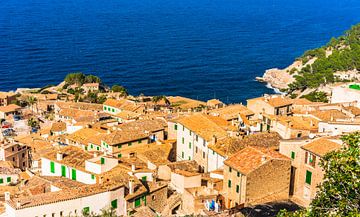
256,175
271,105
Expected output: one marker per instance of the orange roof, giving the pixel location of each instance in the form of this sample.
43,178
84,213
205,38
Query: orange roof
275,100
58,126
232,111
205,126
321,146
329,115
120,137
9,108
250,158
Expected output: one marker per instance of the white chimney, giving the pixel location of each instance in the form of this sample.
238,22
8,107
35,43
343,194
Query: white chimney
263,158
95,154
131,186
18,204
7,196
133,168
59,156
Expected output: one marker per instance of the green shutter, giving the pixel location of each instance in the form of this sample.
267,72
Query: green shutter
144,178
63,171
1,181
175,126
104,108
86,148
91,146
98,148
119,155
86,210
8,179
73,174
190,145
237,188
113,110
52,167
137,202
229,183
114,204
102,160
182,154
139,141
308,177
183,140
92,176
129,144
292,155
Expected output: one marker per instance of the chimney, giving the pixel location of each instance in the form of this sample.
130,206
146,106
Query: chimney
133,168
263,158
214,139
18,204
95,154
131,186
7,196
59,156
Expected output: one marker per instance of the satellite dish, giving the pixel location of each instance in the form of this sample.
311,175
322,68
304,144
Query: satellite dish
311,135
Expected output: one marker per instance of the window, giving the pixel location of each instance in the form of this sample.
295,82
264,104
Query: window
52,167
175,126
229,183
23,155
238,174
114,204
1,181
73,174
98,148
144,178
137,202
197,137
102,160
182,155
183,128
104,108
113,110
139,141
8,179
213,152
61,212
292,155
189,145
237,188
230,169
86,210
153,197
92,176
298,135
204,143
204,154
196,149
119,146
190,132
119,155
63,171
91,146
308,177
189,158
183,140
129,144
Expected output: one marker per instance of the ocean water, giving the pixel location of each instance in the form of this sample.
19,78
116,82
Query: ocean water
195,48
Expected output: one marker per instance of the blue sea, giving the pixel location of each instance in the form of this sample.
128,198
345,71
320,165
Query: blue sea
194,48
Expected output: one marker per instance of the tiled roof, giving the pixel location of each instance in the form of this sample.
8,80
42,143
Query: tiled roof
121,137
275,100
9,108
232,111
190,166
185,103
250,158
124,104
144,125
80,105
72,156
213,102
299,122
203,125
354,110
229,146
58,126
85,135
329,115
321,146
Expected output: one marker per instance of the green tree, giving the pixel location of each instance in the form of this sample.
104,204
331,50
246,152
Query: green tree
75,78
119,89
316,96
92,79
339,193
33,123
31,100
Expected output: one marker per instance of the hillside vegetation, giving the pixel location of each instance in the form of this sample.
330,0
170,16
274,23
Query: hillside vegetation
344,55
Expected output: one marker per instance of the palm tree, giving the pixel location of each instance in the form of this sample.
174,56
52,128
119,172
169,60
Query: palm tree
31,100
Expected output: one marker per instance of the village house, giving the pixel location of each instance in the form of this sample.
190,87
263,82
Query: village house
195,200
90,87
195,133
256,175
290,127
57,196
113,106
271,105
7,98
226,147
15,153
214,104
58,128
346,93
8,110
8,173
306,173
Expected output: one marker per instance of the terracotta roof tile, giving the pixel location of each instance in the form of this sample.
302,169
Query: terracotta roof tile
321,146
